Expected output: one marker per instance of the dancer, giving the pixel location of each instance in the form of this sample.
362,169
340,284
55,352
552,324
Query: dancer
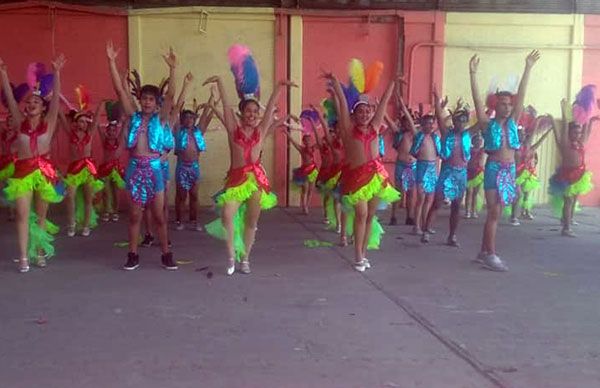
571,179
247,188
426,149
406,167
81,180
326,156
8,135
305,176
473,203
35,177
189,143
364,181
111,171
501,141
147,134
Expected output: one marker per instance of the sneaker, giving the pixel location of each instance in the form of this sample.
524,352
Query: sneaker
425,238
344,241
475,215
430,231
568,233
326,221
480,259
367,263
393,221
409,221
198,227
41,260
23,265
148,240
230,267
167,261
338,230
133,261
514,221
71,230
169,244
115,217
453,241
416,231
86,232
179,226
360,266
245,267
468,215
105,217
528,216
493,263
574,223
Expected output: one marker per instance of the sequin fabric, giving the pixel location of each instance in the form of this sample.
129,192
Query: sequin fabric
501,177
144,179
427,175
405,175
187,174
452,182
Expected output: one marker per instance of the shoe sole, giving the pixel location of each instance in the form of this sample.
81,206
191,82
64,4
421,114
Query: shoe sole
131,268
170,268
494,269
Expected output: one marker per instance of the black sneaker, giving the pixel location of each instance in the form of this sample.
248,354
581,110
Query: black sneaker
409,221
167,261
133,261
148,240
169,244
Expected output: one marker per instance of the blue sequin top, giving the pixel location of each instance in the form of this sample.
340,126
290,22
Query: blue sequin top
158,138
181,140
418,142
493,134
448,144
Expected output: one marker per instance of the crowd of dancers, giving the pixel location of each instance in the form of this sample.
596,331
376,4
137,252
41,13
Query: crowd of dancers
444,156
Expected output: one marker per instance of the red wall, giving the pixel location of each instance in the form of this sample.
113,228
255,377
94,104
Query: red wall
27,35
591,75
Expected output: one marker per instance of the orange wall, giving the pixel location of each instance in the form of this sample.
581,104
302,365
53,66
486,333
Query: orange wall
591,75
27,35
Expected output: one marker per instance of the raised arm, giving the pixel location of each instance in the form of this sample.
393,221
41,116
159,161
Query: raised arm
391,125
382,107
439,113
13,107
54,106
341,105
207,113
531,59
228,116
189,78
268,118
168,101
538,124
482,118
296,145
125,99
561,135
408,116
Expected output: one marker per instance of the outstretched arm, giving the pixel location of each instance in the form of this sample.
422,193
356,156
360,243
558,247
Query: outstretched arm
482,118
411,123
125,99
341,105
54,107
531,59
13,107
227,117
207,112
439,114
390,124
297,146
268,118
168,102
382,107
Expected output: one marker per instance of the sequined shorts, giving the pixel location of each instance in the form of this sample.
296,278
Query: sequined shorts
452,182
427,175
144,178
405,175
187,174
501,177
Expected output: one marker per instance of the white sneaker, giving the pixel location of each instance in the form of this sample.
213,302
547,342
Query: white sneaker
230,267
366,263
198,227
480,259
360,267
514,222
179,226
71,230
86,232
493,263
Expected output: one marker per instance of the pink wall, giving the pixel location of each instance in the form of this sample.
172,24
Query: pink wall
27,35
591,75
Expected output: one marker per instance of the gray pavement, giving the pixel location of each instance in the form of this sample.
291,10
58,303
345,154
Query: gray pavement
424,316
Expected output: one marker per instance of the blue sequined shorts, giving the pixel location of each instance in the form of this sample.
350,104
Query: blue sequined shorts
427,175
164,165
187,174
144,178
501,177
405,175
452,182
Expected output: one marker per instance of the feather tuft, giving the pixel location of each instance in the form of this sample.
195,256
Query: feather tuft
373,76
356,70
245,71
583,106
329,111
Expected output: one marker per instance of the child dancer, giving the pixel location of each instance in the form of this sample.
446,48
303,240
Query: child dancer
501,141
364,181
455,154
81,179
35,177
146,140
111,171
305,176
571,179
474,177
426,149
247,188
8,135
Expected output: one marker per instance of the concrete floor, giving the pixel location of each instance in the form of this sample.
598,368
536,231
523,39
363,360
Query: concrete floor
424,316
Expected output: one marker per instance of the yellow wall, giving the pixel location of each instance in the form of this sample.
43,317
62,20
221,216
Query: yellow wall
502,41
296,45
152,31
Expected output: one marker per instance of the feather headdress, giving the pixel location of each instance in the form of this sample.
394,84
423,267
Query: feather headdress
528,119
245,73
510,85
362,82
83,103
329,112
39,82
583,107
309,121
135,83
113,111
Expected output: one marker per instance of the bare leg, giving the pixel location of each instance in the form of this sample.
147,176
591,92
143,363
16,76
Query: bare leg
371,210
114,190
361,210
227,215
71,191
432,213
180,198
428,203
135,221
494,209
303,204
568,213
343,218
23,206
419,209
166,205
468,199
252,216
454,218
194,203
88,196
309,191
411,203
474,197
157,208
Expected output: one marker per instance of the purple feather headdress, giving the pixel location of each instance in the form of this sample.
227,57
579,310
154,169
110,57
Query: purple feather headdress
583,106
308,120
245,72
39,82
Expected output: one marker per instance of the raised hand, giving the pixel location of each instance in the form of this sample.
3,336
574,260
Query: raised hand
111,53
287,82
3,67
170,58
444,102
59,62
211,80
189,77
532,58
474,64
